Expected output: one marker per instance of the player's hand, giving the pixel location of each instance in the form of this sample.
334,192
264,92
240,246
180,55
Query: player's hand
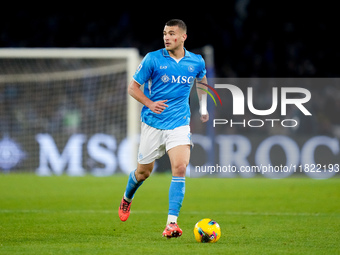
205,117
158,106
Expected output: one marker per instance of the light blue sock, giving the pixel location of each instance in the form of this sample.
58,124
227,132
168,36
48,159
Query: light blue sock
176,195
131,187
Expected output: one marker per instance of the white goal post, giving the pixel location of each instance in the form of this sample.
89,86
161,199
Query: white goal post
126,59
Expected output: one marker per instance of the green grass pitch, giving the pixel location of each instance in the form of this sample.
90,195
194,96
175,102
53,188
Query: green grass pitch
78,215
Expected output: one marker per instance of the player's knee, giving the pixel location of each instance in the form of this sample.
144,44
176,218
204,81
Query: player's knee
179,170
142,176
144,171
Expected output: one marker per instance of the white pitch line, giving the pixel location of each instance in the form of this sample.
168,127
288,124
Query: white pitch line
165,212
247,213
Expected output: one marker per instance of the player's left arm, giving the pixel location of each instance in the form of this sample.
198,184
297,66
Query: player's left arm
202,97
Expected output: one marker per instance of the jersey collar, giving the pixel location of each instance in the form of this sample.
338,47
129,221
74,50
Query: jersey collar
166,53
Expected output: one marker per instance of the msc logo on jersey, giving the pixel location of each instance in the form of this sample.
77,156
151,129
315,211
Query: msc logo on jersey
177,79
182,79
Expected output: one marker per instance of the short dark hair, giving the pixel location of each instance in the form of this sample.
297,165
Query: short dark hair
177,22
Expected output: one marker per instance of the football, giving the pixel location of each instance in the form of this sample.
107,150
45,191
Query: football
207,231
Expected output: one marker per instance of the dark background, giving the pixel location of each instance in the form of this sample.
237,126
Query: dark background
251,38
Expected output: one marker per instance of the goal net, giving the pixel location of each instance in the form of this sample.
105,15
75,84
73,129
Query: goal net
67,110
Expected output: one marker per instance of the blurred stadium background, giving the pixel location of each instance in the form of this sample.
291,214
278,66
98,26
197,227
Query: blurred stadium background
86,107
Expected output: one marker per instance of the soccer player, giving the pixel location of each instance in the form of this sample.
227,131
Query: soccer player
168,75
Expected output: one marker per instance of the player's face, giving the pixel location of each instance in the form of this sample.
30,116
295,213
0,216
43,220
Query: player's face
173,37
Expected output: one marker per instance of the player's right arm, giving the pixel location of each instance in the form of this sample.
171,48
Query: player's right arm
135,91
142,75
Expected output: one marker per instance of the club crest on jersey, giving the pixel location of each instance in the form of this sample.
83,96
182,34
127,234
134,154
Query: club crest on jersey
191,68
165,78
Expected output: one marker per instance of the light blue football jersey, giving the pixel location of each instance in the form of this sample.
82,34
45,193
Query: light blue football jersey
165,78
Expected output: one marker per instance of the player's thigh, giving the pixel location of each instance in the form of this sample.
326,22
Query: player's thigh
179,158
